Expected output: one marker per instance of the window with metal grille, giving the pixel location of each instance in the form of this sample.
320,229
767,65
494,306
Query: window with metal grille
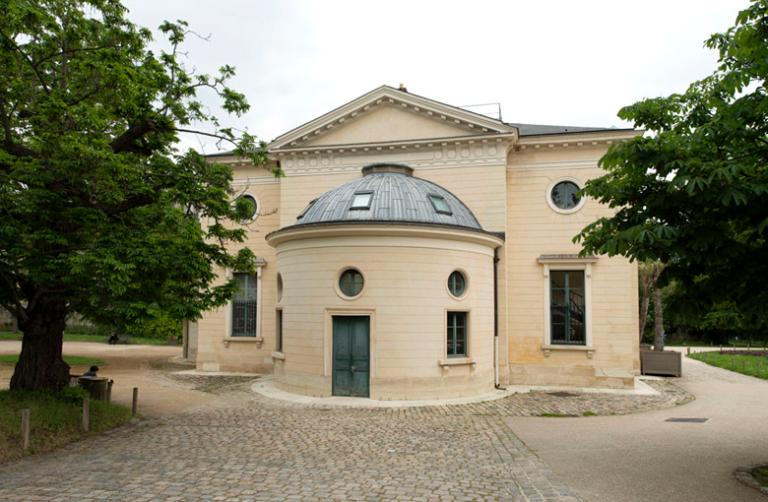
567,307
457,334
244,305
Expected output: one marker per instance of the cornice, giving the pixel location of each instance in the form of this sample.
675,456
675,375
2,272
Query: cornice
574,140
433,154
387,96
356,229
393,145
255,181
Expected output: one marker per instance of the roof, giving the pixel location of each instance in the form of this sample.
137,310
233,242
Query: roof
474,123
471,122
396,197
539,129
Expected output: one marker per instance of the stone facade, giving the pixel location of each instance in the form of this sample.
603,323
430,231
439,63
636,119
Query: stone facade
504,173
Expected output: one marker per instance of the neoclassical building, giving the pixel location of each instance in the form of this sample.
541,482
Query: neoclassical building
416,250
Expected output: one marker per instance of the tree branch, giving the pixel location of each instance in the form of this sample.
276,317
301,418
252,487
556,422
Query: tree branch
126,141
209,134
27,60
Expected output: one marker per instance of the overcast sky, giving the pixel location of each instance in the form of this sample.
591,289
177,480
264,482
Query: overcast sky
546,62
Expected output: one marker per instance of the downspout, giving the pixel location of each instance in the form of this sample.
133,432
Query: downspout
496,317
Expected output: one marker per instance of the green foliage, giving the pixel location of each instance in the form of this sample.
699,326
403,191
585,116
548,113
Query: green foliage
73,394
691,192
71,360
55,420
98,209
91,338
752,365
760,473
160,328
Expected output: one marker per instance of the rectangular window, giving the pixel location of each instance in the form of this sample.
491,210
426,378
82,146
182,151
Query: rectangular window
567,307
438,202
361,200
279,330
244,305
457,334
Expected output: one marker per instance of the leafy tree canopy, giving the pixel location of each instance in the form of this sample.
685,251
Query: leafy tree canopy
693,191
99,213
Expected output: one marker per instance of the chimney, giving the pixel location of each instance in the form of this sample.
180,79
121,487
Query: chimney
402,88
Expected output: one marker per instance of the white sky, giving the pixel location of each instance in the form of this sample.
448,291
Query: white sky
546,62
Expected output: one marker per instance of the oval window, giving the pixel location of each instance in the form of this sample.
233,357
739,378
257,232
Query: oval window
351,282
279,287
247,207
564,195
457,284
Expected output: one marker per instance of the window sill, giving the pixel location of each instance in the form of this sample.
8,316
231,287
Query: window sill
280,356
456,361
568,348
246,339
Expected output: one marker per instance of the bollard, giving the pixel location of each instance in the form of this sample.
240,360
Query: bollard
25,429
109,391
86,413
688,351
135,404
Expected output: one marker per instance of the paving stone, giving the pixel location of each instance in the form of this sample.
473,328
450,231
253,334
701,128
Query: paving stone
247,447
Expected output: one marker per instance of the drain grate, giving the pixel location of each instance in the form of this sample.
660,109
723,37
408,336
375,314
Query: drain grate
562,394
688,420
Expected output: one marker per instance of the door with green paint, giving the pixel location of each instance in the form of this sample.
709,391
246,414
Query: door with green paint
351,355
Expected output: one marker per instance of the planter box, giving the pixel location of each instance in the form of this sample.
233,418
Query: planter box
667,363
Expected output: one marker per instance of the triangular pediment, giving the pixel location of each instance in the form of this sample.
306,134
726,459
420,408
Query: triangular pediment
387,115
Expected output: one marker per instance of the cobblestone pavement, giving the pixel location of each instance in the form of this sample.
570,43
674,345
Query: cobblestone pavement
547,403
247,447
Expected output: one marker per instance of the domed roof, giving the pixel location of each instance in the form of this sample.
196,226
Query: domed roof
389,193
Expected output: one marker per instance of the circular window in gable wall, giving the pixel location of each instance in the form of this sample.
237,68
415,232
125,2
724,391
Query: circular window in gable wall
563,196
248,206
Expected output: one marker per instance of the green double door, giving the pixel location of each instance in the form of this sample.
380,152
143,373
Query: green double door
351,355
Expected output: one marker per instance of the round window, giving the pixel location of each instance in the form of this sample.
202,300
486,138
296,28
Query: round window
564,195
351,282
457,284
247,207
279,287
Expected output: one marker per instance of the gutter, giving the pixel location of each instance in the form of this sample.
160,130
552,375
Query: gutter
496,317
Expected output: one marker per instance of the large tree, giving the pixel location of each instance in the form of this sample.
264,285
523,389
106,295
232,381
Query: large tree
693,191
99,214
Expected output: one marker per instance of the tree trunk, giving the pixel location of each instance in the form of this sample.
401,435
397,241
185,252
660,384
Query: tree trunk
644,301
649,284
40,365
658,320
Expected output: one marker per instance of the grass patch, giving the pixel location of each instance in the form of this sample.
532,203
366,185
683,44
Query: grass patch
55,420
589,413
756,366
760,473
71,360
90,338
556,415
